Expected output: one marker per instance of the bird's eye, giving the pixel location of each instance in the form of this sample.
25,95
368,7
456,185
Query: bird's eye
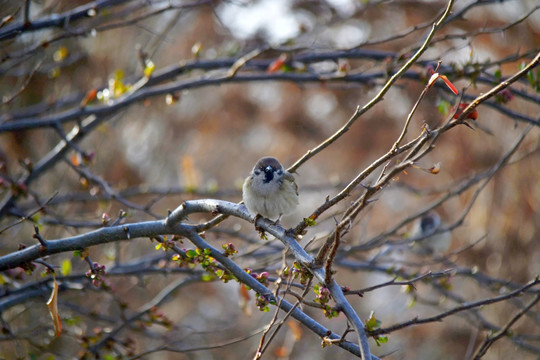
280,172
257,172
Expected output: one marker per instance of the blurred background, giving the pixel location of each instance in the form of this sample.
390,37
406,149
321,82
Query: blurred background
202,141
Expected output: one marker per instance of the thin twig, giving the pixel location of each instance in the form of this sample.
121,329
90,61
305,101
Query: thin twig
490,340
457,309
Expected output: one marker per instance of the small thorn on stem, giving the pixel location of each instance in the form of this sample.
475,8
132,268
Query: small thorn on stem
38,236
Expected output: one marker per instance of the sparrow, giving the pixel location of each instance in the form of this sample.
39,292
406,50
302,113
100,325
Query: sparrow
270,191
427,240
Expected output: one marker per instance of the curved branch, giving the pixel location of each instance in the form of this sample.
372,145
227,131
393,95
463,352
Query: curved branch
215,206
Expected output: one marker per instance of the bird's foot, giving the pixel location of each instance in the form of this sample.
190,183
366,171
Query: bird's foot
275,223
255,219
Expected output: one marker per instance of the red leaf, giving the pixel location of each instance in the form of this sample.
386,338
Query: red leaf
473,115
449,84
277,64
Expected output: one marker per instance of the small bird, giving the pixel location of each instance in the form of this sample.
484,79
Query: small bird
423,239
270,191
427,240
